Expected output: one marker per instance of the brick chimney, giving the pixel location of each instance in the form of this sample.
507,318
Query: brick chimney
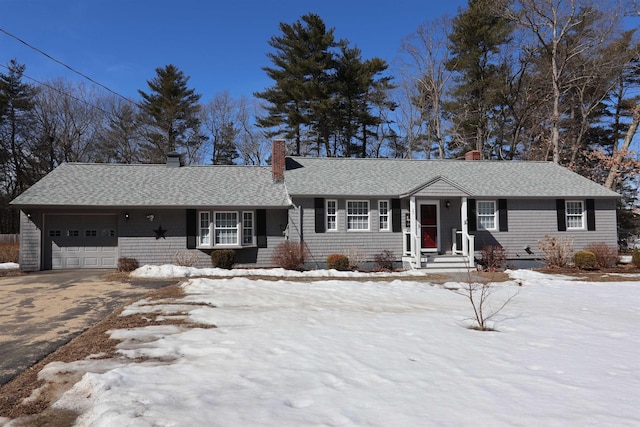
473,155
278,152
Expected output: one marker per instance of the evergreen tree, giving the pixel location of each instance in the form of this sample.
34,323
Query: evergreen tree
299,101
171,112
478,35
16,126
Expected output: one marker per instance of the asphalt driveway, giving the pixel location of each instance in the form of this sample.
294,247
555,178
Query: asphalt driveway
41,311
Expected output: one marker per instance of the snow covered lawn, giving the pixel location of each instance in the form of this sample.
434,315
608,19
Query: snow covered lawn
392,353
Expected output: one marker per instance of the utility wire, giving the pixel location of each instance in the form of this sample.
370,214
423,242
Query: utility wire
65,65
61,91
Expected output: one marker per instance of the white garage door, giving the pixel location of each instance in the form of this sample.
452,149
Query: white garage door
82,241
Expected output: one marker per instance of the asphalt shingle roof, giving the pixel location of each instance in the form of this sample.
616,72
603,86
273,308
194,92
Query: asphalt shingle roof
401,177
117,185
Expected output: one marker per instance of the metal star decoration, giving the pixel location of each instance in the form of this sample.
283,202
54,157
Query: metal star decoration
160,232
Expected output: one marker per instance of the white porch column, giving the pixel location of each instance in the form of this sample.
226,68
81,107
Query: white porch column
415,251
465,226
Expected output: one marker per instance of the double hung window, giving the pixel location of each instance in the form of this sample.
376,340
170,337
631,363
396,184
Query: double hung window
575,214
486,210
332,215
357,215
383,215
225,228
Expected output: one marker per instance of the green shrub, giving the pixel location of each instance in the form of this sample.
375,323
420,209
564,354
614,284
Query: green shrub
223,258
606,256
584,260
338,262
127,264
635,258
290,255
384,261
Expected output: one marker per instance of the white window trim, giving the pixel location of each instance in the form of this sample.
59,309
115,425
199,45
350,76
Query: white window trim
387,214
368,216
495,215
253,229
582,215
239,230
334,215
200,228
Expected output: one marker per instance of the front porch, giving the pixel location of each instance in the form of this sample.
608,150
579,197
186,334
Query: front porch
436,235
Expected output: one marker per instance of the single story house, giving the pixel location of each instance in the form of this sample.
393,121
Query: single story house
425,212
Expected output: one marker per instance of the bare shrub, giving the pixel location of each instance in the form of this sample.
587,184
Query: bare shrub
290,255
186,258
480,296
606,256
558,251
223,258
356,257
384,261
493,257
127,264
9,252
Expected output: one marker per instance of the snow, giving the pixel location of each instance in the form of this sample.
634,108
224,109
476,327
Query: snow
9,266
379,353
173,271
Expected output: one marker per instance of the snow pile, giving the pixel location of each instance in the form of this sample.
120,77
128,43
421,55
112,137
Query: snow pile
171,271
9,266
375,353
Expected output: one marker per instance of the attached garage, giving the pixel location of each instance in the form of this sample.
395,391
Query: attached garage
80,241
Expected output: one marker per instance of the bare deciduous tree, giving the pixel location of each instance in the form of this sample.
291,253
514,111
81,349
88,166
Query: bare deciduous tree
425,79
565,30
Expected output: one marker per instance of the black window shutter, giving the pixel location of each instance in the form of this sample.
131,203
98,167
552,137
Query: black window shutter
396,217
502,215
591,215
562,219
471,214
318,204
261,227
192,228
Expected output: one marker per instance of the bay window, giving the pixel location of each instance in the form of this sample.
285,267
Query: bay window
226,228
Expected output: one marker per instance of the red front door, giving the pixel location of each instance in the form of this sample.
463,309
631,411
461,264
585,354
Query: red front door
429,226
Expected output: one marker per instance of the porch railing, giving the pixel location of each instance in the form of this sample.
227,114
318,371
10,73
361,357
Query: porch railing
467,243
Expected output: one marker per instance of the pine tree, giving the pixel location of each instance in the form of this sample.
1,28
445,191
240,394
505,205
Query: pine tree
171,113
478,35
300,98
16,126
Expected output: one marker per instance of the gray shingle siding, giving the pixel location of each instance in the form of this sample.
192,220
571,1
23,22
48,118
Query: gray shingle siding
30,243
320,245
531,220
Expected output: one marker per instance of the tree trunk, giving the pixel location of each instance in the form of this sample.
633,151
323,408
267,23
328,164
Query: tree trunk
633,127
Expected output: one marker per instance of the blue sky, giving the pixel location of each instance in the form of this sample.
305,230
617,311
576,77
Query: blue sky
219,45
